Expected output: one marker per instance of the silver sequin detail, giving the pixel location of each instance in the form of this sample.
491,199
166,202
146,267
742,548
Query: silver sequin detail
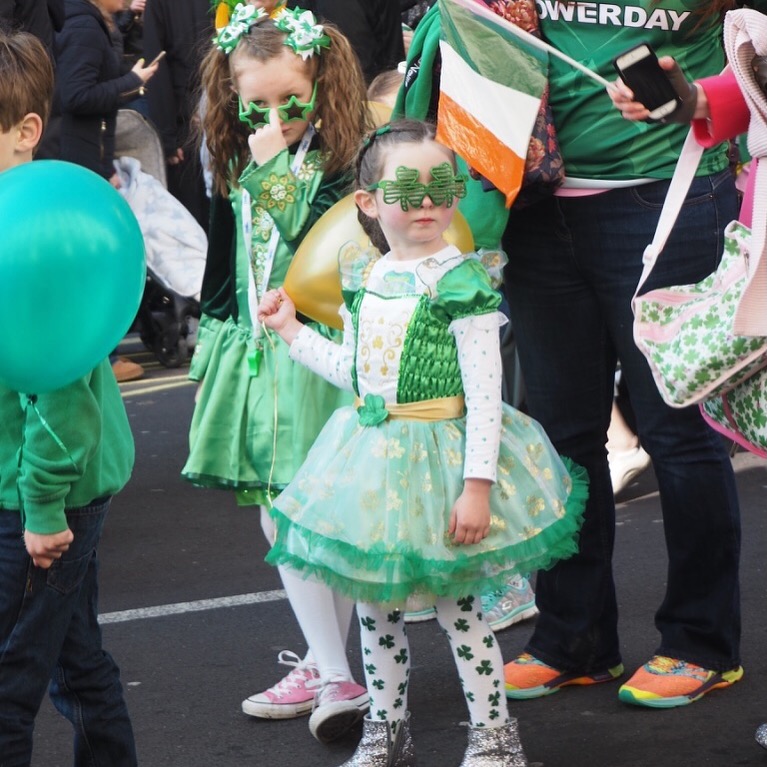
376,748
761,735
495,747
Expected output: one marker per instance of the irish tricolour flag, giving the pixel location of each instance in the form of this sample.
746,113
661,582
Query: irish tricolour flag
491,86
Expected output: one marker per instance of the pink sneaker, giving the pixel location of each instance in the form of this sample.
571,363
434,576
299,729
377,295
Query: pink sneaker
292,696
337,708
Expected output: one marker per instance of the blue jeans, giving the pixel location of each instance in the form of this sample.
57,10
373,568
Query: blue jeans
573,267
50,636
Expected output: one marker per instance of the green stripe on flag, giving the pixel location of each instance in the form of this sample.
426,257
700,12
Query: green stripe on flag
492,51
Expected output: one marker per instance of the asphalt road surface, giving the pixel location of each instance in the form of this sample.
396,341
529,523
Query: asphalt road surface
195,620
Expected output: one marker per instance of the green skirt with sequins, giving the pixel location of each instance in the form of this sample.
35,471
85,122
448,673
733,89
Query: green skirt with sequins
368,513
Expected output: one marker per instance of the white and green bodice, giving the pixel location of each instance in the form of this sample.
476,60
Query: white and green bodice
403,313
418,330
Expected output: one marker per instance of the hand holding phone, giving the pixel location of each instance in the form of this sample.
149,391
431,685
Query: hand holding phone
157,59
640,70
146,71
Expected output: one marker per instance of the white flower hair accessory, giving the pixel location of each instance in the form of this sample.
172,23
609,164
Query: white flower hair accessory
243,18
305,36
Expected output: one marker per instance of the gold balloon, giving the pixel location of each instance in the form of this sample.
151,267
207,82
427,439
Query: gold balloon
379,112
313,280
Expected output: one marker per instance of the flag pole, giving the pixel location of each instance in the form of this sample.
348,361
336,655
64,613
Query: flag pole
479,9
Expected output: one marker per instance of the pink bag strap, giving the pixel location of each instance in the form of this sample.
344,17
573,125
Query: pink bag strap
684,173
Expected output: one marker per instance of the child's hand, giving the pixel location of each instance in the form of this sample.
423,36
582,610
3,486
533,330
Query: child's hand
46,549
278,313
470,517
268,141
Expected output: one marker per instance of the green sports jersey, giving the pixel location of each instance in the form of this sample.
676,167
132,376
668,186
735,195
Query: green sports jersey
596,142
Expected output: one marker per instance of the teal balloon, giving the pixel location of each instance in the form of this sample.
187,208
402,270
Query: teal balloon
72,273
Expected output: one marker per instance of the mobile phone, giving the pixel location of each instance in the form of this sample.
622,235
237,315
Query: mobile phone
639,69
157,58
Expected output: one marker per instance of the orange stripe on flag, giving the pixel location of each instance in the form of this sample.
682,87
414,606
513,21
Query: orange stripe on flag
481,149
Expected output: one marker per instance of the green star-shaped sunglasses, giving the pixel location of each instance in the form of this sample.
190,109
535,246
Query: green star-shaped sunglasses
292,110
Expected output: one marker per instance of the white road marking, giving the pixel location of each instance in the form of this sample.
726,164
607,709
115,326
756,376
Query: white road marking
160,611
147,388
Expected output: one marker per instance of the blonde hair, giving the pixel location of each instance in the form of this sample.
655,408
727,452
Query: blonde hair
340,106
108,19
385,86
26,79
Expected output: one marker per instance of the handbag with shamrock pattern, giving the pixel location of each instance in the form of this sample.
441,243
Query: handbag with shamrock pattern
704,340
740,414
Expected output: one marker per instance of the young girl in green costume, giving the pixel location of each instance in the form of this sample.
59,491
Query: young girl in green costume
430,484
269,83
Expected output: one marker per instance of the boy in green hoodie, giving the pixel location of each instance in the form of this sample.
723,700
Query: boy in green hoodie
63,454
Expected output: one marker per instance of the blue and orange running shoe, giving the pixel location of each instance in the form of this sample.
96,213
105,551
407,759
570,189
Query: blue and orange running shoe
667,682
527,677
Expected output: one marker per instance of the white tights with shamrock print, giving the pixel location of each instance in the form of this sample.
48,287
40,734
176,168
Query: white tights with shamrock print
386,658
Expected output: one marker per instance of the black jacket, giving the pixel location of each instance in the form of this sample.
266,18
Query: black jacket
373,27
184,31
89,88
29,15
56,12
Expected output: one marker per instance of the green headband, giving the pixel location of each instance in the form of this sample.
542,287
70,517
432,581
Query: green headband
409,192
304,36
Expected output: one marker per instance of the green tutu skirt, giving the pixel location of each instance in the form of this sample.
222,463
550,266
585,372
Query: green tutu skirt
368,512
233,443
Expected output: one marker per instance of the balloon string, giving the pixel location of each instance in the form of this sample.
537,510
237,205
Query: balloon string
266,334
32,402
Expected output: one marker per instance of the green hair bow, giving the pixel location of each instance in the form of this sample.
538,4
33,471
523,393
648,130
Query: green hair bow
305,36
243,18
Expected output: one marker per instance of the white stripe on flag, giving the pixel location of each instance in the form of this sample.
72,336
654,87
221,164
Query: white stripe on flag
507,113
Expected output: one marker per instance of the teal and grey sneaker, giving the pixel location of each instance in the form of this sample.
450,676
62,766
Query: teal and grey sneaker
509,605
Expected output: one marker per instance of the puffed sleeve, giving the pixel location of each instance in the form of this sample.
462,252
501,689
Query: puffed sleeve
354,265
465,291
295,203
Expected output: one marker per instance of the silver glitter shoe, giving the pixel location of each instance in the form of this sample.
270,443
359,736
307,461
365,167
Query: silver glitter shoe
495,747
377,749
761,735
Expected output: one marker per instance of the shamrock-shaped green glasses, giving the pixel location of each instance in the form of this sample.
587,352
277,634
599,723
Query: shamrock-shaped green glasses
409,192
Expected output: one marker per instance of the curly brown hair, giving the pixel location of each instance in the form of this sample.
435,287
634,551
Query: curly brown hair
340,115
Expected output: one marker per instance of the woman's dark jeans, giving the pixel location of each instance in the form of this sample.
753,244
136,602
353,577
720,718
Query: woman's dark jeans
573,267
